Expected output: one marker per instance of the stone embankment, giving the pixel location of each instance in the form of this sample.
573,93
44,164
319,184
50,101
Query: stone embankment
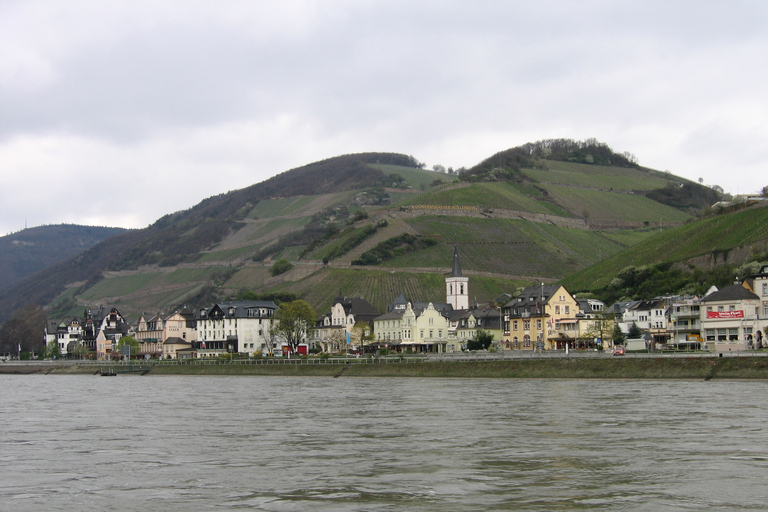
702,367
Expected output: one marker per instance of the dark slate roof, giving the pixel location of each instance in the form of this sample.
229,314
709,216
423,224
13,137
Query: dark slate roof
486,313
175,340
456,271
240,308
733,292
400,300
647,305
458,314
620,307
392,315
534,294
444,309
359,307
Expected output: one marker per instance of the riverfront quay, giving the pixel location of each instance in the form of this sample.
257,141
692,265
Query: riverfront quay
631,367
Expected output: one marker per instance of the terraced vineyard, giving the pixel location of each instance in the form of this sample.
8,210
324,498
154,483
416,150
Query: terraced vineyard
381,287
507,246
297,205
121,285
583,175
507,196
603,206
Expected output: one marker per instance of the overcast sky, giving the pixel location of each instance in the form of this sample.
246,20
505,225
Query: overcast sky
116,113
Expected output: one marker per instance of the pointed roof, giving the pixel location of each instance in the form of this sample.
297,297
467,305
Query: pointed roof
733,292
456,272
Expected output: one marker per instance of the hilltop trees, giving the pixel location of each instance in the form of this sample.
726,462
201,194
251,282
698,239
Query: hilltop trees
506,165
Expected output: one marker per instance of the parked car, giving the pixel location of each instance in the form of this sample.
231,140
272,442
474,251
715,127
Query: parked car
618,351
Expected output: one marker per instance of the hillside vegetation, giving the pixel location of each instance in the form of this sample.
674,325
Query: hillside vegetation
376,225
708,244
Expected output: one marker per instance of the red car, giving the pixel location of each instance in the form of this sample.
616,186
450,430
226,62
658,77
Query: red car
618,351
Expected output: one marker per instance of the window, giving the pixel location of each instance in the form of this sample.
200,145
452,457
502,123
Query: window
557,310
765,288
567,310
538,324
514,322
733,334
526,325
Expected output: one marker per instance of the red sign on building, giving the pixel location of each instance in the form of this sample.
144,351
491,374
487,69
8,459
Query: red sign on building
725,314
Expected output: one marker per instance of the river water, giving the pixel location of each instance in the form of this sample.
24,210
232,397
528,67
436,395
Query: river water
130,443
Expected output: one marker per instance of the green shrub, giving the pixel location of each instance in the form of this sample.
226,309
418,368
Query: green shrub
281,267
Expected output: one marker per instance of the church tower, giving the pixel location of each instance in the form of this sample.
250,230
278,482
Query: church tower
457,286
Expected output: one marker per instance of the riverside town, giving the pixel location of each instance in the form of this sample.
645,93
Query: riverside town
539,318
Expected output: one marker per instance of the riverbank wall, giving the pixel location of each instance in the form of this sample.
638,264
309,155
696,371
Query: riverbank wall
704,368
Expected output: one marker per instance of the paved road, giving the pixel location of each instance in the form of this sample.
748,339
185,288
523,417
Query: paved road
559,354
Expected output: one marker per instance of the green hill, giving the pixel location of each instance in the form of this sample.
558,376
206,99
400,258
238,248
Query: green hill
704,243
540,212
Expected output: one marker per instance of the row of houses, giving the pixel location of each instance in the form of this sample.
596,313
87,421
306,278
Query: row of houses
732,318
543,317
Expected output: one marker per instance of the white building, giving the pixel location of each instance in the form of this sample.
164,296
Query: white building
335,331
651,317
730,318
420,327
235,327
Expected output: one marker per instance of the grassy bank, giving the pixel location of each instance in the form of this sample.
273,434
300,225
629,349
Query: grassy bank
576,368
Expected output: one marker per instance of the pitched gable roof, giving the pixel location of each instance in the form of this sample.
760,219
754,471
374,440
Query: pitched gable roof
733,292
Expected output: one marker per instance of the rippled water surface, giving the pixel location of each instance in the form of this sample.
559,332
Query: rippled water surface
190,444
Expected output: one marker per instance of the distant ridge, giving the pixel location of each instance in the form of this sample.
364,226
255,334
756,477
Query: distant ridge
30,250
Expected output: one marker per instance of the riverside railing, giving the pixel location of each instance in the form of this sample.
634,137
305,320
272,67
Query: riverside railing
407,359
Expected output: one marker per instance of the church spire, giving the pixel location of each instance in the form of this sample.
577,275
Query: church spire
456,272
457,286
